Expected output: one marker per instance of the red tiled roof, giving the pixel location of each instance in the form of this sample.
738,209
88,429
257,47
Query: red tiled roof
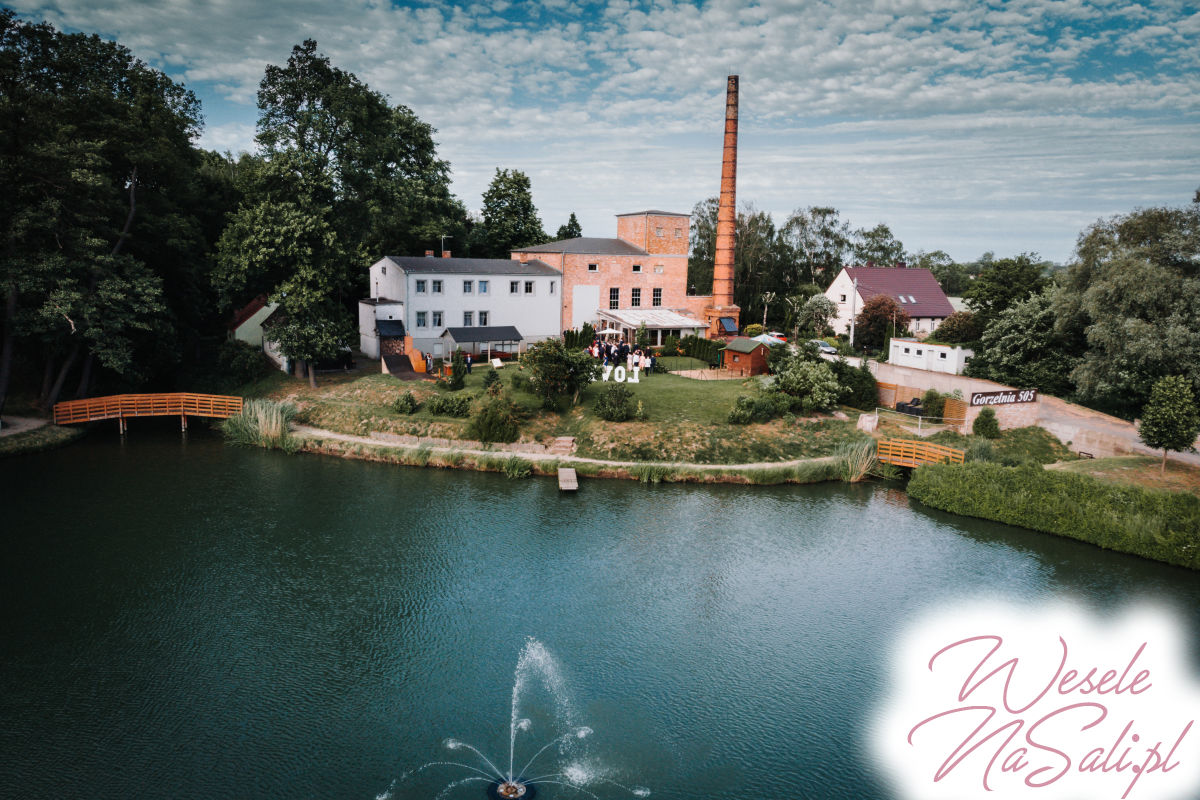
247,311
915,289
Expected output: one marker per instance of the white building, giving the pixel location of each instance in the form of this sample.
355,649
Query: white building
931,357
915,290
430,295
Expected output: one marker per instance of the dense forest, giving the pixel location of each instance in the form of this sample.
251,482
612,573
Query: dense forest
127,248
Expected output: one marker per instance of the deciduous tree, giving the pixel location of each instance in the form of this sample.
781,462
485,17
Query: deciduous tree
1005,282
881,317
1170,420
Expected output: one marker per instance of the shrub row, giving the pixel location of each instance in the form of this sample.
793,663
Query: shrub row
449,405
1164,526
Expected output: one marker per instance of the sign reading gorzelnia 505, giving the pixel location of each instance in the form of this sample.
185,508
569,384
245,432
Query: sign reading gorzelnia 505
1004,398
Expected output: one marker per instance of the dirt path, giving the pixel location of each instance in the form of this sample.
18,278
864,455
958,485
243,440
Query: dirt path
14,425
1097,433
320,433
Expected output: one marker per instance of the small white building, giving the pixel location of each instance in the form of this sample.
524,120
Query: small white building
915,290
246,324
372,312
932,357
429,295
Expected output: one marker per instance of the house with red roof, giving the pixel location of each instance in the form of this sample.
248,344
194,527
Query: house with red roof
914,290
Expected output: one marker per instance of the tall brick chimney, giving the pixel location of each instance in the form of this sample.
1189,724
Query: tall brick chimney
727,209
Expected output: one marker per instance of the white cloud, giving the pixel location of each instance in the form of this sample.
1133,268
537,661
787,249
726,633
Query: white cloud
938,114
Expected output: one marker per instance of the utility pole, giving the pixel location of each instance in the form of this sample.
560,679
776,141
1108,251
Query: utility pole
853,312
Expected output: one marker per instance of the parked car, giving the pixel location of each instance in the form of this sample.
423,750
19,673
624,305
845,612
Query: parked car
823,346
777,335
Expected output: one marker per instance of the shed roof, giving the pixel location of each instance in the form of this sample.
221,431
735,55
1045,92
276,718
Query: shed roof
741,344
390,327
471,266
915,289
492,333
587,245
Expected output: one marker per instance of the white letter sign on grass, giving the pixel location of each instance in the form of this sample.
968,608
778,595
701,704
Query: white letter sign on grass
1009,702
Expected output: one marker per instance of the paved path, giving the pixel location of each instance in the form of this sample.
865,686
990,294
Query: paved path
14,425
500,449
1097,433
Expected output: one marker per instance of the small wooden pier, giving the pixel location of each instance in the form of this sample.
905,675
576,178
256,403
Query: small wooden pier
122,406
568,481
908,453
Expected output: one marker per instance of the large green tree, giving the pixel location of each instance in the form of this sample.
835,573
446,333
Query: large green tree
1170,420
572,230
510,219
876,245
556,371
1023,347
881,317
97,167
819,243
1004,282
1130,302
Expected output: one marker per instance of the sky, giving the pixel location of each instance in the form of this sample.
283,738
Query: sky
965,126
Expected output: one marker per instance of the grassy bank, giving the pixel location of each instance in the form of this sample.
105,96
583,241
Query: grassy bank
1138,471
46,437
1162,526
686,419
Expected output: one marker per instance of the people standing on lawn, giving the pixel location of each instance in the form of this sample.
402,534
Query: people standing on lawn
468,360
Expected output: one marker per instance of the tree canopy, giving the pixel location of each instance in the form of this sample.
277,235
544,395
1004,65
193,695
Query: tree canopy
510,220
881,317
571,230
1005,282
1170,420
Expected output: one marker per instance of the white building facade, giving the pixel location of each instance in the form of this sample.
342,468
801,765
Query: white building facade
914,290
932,357
432,294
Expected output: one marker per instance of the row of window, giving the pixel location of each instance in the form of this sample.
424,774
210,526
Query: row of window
477,287
637,268
424,317
678,233
635,298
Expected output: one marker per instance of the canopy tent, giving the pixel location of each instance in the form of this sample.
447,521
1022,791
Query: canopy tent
490,335
768,339
660,322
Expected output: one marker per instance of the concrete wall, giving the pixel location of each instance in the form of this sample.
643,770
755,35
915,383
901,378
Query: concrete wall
1015,415
386,280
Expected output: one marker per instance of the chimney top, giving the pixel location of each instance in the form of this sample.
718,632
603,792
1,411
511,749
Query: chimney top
429,254
445,254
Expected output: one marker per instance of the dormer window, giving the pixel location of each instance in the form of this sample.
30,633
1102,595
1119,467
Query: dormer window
902,300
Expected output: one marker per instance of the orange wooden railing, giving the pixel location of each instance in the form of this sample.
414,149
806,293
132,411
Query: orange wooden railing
119,406
909,453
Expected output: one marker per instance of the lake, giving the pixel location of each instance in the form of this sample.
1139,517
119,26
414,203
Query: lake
184,619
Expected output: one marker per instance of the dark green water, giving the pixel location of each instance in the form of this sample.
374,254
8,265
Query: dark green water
187,620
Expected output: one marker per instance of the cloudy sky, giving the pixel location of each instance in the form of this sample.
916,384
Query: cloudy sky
964,125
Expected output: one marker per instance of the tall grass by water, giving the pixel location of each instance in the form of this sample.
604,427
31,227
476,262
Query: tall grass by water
855,459
262,423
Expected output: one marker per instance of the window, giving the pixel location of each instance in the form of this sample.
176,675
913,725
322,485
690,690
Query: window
483,319
902,300
843,299
514,287
528,287
635,298
468,287
384,269
551,287
421,287
658,232
421,317
656,298
919,352
941,355
468,319
679,233
906,350
483,287
658,269
437,319
437,287
912,299
593,267
637,267
614,297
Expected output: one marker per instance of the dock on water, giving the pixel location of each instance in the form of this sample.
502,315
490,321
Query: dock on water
568,481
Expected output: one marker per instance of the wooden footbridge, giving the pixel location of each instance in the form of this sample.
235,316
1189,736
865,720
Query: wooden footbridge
909,453
122,406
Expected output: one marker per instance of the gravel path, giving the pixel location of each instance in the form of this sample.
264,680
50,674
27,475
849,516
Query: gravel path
14,425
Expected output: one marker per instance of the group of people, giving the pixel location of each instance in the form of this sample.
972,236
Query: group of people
620,352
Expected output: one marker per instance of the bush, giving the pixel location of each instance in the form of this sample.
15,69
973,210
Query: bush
1164,526
458,371
980,450
492,376
811,383
855,459
934,403
497,421
670,346
449,405
758,408
262,423
856,385
242,363
615,404
958,328
406,403
752,330
520,383
986,424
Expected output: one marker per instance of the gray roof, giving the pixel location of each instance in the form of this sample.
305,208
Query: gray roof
471,266
653,214
389,327
587,245
492,333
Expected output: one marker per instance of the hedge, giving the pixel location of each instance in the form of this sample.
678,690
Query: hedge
1163,526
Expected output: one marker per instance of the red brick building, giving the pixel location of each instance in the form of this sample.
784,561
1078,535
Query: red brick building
638,277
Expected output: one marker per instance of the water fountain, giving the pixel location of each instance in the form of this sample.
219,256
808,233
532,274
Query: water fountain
534,662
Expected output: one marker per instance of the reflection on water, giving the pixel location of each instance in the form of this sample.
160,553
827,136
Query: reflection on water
183,619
